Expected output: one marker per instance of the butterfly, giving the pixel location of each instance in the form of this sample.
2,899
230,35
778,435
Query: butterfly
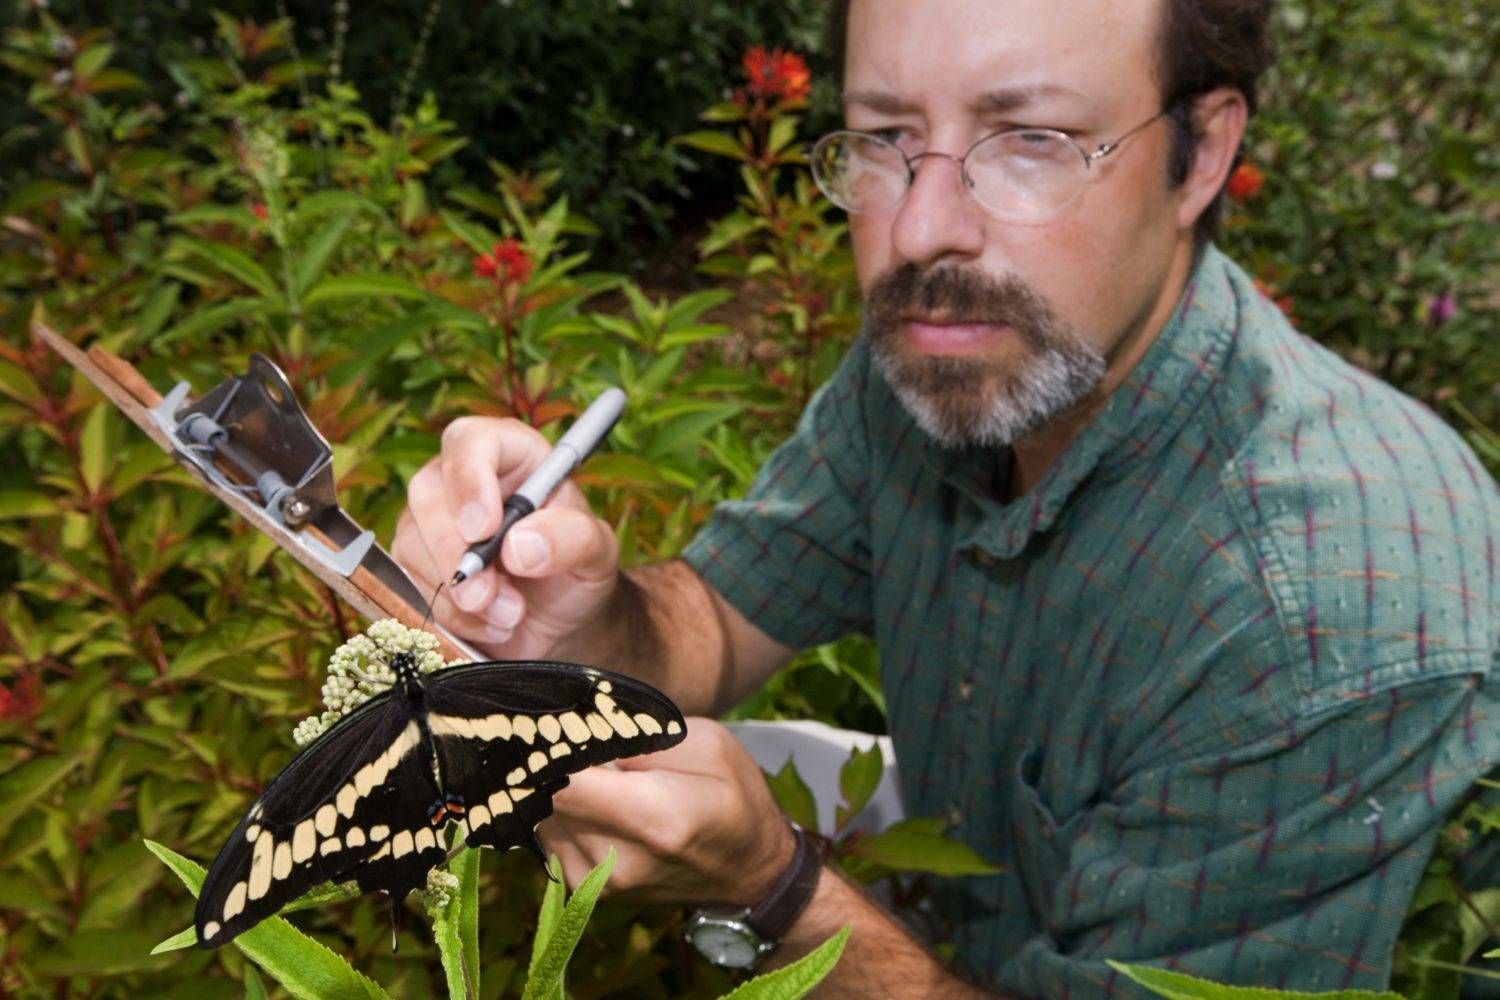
484,746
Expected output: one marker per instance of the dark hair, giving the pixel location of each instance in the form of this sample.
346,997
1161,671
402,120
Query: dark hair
1205,44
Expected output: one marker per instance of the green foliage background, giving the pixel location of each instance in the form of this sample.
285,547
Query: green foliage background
140,624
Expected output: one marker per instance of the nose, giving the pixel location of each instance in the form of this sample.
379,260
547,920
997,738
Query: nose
938,219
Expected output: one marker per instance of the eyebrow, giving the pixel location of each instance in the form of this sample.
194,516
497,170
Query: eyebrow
992,102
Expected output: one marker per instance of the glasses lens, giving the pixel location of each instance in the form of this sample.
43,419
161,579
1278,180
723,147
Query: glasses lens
859,173
1026,175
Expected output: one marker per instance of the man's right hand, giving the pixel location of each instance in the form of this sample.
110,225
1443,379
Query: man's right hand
557,569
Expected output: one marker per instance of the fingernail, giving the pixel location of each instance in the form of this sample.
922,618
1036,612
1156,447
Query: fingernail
472,593
495,635
472,518
505,612
528,549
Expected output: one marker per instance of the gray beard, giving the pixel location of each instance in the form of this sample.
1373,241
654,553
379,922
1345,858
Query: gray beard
961,402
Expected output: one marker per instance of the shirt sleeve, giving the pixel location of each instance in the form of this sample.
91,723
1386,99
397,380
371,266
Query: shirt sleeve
793,556
1285,859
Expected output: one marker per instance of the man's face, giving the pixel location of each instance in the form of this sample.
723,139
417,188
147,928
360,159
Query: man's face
990,329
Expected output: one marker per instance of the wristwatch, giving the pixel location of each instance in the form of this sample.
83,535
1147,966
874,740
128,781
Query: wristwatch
738,938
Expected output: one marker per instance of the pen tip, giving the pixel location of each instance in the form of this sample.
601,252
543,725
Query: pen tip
458,578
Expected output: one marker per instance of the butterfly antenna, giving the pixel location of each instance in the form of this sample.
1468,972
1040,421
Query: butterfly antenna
432,604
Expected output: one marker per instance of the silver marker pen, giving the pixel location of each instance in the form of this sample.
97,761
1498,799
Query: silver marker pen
571,449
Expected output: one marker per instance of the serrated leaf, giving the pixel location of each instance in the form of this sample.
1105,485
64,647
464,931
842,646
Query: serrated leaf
548,916
793,796
859,777
1180,986
909,850
798,979
363,286
466,867
546,978
306,968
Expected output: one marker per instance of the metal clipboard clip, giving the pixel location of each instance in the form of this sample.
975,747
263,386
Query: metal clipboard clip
251,444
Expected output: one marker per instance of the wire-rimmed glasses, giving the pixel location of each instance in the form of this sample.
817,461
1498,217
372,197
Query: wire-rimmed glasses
1018,174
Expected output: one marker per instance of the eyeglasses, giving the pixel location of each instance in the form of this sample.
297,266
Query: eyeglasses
1018,175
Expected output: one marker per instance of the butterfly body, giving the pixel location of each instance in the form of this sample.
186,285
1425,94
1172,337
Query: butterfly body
483,746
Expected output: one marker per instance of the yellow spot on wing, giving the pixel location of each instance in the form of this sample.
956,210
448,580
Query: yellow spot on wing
327,819
304,841
401,844
574,727
355,837
520,793
598,726
560,750
674,727
536,761
478,816
210,929
234,903
549,727
260,865
330,845
525,727
500,803
379,832
346,799
516,777
648,725
281,864
425,841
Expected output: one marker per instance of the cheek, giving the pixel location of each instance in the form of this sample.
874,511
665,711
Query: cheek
870,239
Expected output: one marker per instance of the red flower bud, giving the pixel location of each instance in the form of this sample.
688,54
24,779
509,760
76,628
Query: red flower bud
259,209
776,74
1246,181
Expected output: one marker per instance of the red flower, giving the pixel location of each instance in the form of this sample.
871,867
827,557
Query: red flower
776,74
508,263
259,209
1246,181
21,701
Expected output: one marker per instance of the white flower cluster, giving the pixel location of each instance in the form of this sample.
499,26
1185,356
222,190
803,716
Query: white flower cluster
442,886
361,668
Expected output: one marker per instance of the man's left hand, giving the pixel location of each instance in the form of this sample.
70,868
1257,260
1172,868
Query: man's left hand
692,824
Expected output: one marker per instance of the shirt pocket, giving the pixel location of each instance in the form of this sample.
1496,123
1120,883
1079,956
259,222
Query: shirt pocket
1043,840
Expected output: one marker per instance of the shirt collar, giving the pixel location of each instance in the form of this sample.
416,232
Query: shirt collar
1140,417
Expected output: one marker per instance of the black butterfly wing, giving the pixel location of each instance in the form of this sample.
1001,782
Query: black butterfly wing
354,804
509,733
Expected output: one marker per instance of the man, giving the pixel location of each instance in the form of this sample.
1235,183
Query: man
1182,620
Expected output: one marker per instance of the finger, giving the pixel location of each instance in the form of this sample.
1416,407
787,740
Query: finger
480,457
704,743
486,613
558,540
482,595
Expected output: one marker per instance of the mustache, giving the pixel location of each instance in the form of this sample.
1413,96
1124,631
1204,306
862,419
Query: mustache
965,295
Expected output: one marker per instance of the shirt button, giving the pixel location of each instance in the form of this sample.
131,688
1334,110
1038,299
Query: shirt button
955,814
983,558
965,690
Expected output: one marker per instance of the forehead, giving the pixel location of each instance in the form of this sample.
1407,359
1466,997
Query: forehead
931,52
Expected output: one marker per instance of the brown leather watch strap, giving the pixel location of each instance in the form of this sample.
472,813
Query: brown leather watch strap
774,915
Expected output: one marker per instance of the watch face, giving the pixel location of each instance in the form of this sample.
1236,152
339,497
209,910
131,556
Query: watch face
726,943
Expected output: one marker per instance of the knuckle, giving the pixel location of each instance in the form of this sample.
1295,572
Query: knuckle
458,429
670,837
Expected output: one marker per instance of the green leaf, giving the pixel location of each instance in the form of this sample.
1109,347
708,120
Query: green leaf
185,938
27,784
93,448
718,143
687,431
92,59
364,286
466,867
858,779
478,238
212,318
254,988
377,343
798,979
450,949
306,968
913,850
546,979
235,263
321,247
548,917
1178,986
1492,954
793,796
27,504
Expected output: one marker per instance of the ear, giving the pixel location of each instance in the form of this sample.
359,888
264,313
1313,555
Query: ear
1220,117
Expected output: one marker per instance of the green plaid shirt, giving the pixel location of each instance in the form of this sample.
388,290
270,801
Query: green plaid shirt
1205,692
